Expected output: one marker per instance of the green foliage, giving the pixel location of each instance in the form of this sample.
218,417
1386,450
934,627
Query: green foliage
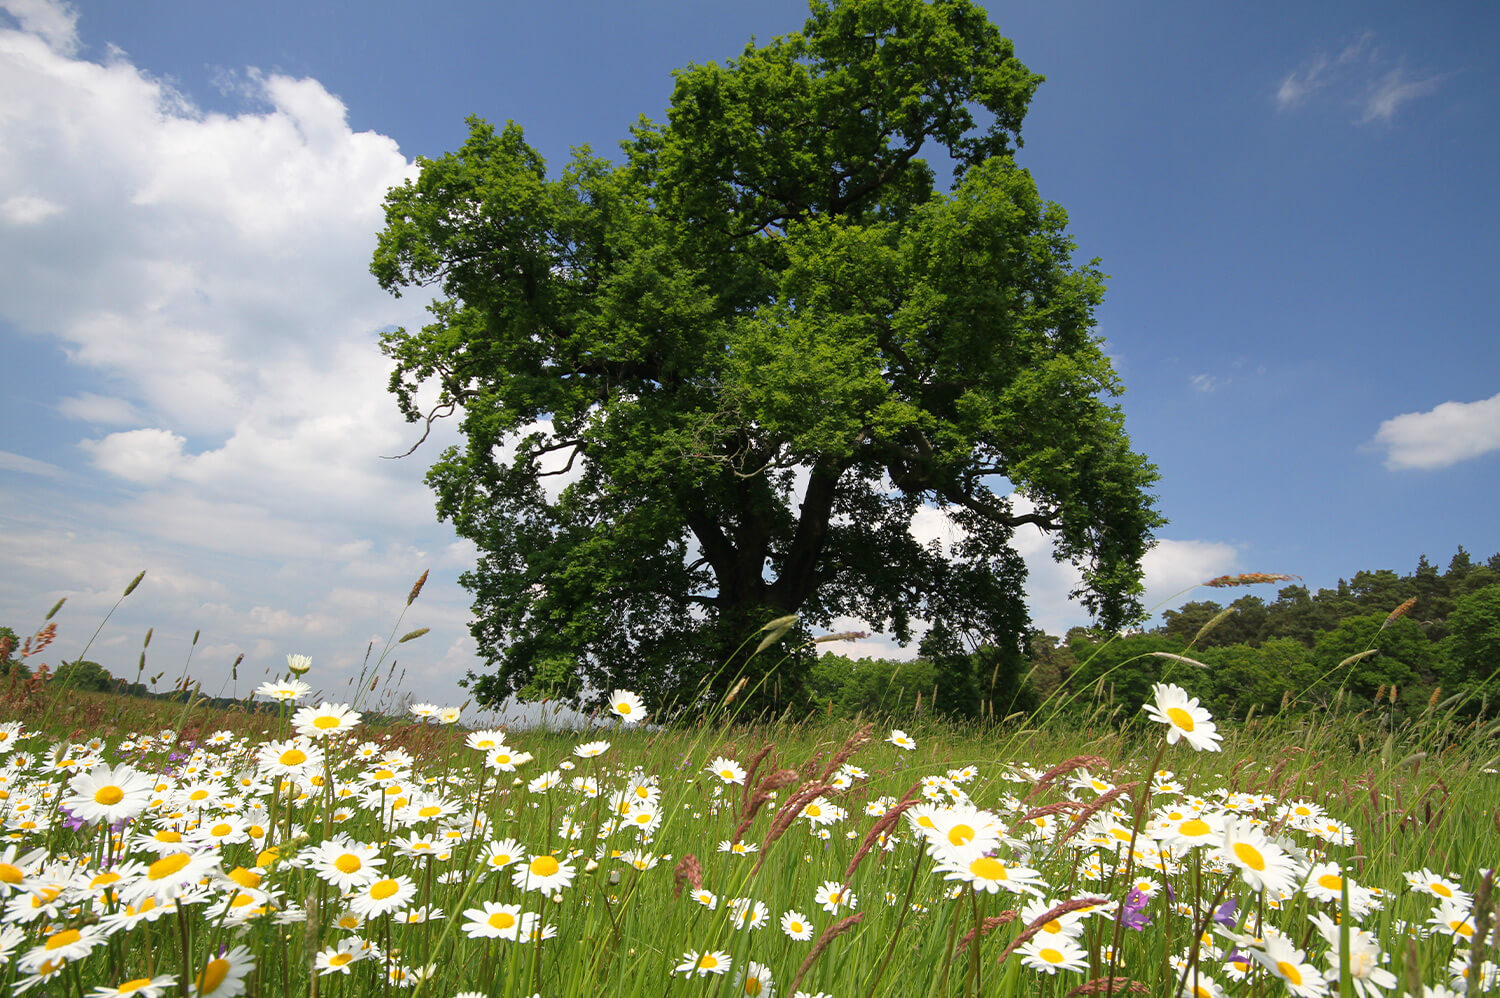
845,687
748,355
1472,660
11,659
1405,657
1245,676
84,675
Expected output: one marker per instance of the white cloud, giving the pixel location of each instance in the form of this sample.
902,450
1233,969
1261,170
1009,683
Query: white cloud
212,270
1205,382
28,465
52,22
1393,90
1444,435
1362,75
148,455
101,410
26,209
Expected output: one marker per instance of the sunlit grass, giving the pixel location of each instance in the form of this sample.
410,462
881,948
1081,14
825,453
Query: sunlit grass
1318,854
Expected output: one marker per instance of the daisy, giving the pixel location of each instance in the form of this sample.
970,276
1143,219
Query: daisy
990,875
224,976
703,964
543,873
500,854
449,715
1454,920
706,898
901,739
1426,882
325,720
1052,953
293,758
65,944
299,664
1283,959
485,739
727,770
832,896
338,959
493,921
590,750
141,987
170,876
796,926
1200,985
505,760
738,848
629,708
381,897
1263,865
345,864
1183,717
110,794
755,980
289,691
747,913
425,710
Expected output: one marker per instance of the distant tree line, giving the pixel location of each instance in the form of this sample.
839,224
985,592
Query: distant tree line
1408,638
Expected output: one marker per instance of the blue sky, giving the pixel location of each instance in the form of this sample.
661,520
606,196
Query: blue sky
1295,204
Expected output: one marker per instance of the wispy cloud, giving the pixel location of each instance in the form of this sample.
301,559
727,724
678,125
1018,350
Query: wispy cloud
1360,74
1395,89
1441,436
28,465
1206,382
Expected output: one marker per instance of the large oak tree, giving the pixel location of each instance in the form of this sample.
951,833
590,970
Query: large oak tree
752,351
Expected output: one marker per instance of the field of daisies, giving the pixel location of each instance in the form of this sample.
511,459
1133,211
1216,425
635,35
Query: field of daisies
320,857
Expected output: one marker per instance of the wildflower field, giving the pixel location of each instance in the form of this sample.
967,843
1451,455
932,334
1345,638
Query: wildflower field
308,852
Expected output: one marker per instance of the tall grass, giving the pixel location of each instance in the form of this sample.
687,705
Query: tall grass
679,872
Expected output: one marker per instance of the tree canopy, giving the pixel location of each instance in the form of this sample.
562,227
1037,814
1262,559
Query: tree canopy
714,382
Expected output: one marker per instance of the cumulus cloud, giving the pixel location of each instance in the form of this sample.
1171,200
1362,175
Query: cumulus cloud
1443,435
1360,74
56,24
211,270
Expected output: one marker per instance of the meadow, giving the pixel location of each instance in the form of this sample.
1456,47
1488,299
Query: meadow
156,848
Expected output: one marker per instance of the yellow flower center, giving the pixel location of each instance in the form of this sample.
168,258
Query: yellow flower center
1441,890
198,795
1181,718
1289,971
168,835
212,976
168,865
66,937
1194,826
622,707
10,874
131,987
502,920
960,835
988,868
1250,856
347,863
108,795
293,757
708,961
1050,955
220,830
430,811
752,985
339,959
244,877
1331,881
325,722
384,889
544,866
